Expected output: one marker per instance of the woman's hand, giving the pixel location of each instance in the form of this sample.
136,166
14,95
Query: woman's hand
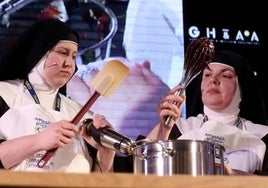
166,107
170,106
57,134
99,121
105,155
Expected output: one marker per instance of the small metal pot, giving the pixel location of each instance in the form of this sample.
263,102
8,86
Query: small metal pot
192,157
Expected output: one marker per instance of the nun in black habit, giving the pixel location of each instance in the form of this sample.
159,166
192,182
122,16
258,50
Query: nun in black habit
35,114
238,122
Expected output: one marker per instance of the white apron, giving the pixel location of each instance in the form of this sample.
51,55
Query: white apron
243,150
21,120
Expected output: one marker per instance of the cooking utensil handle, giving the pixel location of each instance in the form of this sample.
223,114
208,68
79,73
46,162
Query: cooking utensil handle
42,162
169,118
86,107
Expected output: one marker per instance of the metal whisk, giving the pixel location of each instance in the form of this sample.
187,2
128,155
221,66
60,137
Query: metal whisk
199,54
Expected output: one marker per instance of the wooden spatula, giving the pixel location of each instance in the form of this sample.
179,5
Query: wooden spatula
104,83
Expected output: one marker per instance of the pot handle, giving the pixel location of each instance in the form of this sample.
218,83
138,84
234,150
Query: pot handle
143,142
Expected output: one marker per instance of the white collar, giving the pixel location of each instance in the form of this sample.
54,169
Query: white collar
36,77
230,113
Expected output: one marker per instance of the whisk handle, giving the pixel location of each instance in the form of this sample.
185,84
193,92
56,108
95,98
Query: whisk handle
168,121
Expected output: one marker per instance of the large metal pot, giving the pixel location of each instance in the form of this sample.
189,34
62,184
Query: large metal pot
193,157
178,157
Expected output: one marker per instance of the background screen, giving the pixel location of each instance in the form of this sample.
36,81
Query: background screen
150,36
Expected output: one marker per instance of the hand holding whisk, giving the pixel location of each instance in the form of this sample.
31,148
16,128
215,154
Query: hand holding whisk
198,54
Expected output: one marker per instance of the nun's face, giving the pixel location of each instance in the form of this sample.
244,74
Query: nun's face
60,64
218,86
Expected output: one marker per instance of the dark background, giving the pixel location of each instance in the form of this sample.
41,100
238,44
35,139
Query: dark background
236,16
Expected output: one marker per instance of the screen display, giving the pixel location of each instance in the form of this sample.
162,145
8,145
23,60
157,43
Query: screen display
155,34
154,50
150,37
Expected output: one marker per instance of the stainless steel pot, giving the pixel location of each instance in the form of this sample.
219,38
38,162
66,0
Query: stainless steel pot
178,157
163,157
